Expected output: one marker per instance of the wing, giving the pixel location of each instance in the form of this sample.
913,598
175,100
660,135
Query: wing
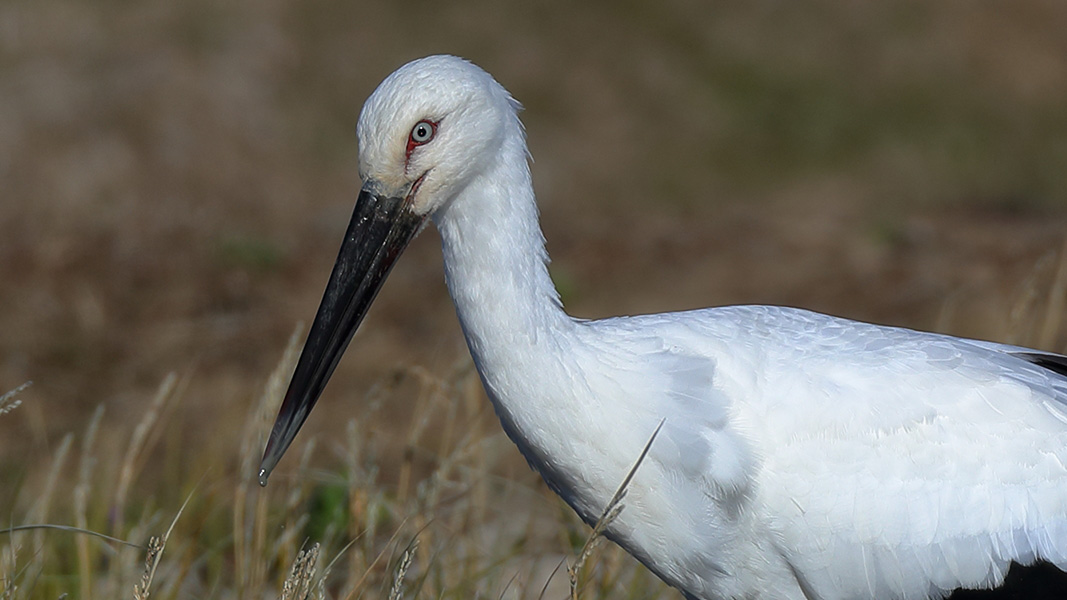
899,463
882,462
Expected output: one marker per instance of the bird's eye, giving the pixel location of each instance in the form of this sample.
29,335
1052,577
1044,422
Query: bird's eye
423,132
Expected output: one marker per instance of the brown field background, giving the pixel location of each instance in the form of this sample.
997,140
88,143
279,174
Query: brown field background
175,178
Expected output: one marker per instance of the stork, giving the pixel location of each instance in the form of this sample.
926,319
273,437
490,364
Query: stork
801,456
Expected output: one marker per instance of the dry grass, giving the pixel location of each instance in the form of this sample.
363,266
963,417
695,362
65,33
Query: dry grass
611,511
9,402
301,580
463,544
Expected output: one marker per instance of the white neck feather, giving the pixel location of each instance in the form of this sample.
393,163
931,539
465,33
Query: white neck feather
496,266
522,342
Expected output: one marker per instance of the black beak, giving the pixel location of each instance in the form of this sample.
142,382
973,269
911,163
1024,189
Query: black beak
381,228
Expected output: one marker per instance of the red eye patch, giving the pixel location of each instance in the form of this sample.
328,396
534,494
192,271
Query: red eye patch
421,133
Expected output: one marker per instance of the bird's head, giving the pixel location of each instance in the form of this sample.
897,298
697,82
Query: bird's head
424,134
429,128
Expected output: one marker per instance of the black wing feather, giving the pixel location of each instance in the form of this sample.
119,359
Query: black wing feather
1057,363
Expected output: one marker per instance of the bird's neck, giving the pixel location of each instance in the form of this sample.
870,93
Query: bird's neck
496,266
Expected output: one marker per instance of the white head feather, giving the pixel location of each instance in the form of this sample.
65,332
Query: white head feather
473,115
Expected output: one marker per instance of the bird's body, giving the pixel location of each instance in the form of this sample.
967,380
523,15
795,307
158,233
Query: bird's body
801,450
801,456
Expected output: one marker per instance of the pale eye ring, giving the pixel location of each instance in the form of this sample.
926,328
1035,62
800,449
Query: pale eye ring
422,132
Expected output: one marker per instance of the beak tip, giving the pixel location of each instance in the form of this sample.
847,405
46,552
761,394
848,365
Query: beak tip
264,474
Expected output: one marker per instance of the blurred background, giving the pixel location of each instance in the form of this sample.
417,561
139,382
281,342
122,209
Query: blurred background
176,176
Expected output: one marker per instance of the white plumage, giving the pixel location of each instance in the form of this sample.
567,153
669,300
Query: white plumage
802,456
